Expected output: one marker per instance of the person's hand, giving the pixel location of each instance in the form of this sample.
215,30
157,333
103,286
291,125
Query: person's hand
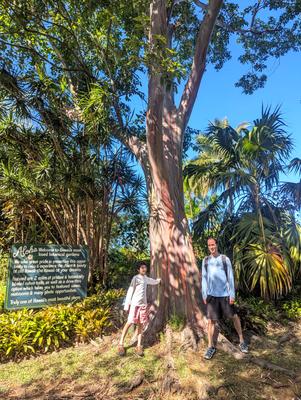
231,301
205,301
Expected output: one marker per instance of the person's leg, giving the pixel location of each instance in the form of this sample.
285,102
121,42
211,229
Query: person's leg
124,332
139,334
237,325
210,332
213,315
229,311
139,341
242,344
135,335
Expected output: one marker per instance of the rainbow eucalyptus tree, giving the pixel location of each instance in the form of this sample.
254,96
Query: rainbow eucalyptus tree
85,62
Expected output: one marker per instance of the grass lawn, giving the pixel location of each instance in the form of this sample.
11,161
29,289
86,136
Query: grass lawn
94,371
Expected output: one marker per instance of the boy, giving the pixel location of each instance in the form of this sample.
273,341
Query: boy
136,305
218,293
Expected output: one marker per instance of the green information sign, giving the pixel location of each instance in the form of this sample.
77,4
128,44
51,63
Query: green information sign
41,275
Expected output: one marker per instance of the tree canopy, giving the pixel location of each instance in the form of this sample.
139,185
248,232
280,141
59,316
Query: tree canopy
71,69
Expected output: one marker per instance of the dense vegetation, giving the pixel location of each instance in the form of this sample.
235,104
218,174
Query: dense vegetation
80,165
27,332
70,129
254,214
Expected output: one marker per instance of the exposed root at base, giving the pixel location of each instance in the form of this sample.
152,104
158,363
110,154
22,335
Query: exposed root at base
273,367
189,339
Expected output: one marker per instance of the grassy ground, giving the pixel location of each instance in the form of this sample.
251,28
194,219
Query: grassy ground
94,371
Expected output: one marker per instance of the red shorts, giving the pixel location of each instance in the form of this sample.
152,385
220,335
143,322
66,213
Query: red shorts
138,315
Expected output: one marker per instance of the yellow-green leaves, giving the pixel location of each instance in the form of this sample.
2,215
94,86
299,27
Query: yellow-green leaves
26,331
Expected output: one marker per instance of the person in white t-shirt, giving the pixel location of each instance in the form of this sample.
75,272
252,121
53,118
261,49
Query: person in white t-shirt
137,307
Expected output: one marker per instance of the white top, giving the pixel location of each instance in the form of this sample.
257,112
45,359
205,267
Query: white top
136,294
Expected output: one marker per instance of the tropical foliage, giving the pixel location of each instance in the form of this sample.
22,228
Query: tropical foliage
72,193
26,332
292,190
72,70
252,213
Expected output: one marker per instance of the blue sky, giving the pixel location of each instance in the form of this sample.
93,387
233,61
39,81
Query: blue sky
218,97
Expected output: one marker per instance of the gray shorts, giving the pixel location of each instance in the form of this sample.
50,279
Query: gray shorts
218,307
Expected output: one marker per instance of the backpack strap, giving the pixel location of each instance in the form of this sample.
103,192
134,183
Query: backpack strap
224,261
225,266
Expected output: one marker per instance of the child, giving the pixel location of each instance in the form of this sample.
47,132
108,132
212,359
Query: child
136,305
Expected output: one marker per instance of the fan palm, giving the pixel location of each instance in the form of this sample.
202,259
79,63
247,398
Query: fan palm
242,167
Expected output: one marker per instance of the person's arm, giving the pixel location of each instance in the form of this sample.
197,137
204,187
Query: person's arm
204,282
230,280
129,295
151,281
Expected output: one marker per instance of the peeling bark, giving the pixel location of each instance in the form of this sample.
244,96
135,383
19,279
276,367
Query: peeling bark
172,256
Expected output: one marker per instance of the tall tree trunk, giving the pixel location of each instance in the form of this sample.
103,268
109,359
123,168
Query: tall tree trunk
172,255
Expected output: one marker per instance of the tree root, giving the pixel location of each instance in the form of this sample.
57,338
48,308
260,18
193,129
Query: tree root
137,381
170,361
189,339
286,338
276,385
170,382
271,366
224,344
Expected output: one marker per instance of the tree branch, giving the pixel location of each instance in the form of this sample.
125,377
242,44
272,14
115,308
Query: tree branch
229,28
199,62
35,52
158,29
156,88
132,142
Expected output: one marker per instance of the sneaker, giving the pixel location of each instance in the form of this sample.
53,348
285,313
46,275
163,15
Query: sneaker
243,347
210,353
139,351
121,350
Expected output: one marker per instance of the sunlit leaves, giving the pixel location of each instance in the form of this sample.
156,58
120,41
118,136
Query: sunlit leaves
241,167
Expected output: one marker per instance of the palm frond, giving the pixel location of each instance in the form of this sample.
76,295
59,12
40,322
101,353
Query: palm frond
267,268
295,165
293,192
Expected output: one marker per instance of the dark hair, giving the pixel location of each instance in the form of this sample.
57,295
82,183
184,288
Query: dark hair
141,264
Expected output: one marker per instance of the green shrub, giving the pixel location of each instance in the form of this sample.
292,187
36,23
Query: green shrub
122,266
26,332
256,313
292,308
2,296
176,322
3,266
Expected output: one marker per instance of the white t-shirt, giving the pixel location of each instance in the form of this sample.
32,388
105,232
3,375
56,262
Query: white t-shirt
136,294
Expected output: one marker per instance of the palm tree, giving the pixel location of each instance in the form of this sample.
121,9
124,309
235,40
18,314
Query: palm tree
291,189
71,194
242,167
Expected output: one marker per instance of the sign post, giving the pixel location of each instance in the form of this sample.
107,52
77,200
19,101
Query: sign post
42,275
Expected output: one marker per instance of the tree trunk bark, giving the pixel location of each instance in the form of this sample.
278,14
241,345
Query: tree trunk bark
172,255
